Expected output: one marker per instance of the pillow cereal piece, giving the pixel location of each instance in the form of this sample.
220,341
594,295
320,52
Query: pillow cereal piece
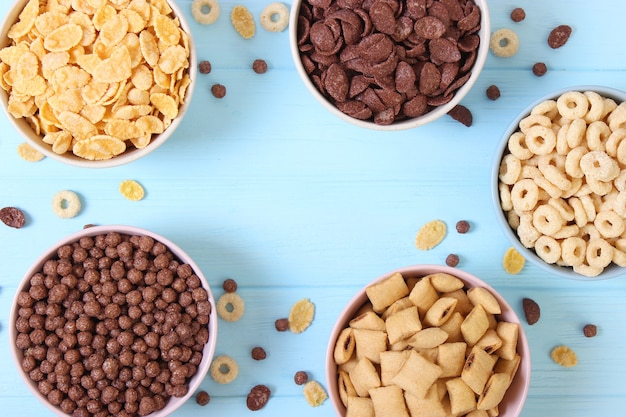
243,22
430,235
513,261
66,204
224,369
230,306
28,153
314,393
564,356
132,190
301,315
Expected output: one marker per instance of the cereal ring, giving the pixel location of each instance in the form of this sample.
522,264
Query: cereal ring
547,108
512,218
562,146
586,270
619,204
598,165
619,257
224,369
613,142
533,120
617,118
66,204
540,140
621,152
510,169
609,106
230,306
572,162
573,250
547,219
596,106
576,132
577,184
548,249
505,197
553,169
597,135
545,185
580,215
609,224
205,12
524,195
599,253
504,43
275,17
572,105
589,232
566,231
565,210
599,188
517,146
526,231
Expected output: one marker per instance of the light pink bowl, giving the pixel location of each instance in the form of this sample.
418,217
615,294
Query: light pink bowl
513,402
209,348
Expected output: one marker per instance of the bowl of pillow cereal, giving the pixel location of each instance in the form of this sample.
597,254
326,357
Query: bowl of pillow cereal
389,65
559,182
428,340
113,320
96,86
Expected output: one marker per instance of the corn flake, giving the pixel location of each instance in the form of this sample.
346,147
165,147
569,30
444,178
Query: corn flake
132,190
117,68
99,147
26,20
165,104
28,153
63,38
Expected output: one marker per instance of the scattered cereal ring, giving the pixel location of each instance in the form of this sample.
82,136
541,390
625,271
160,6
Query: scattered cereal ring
275,17
28,153
430,235
548,249
504,43
230,306
243,22
205,12
132,190
66,204
564,356
314,393
224,369
572,105
301,315
513,261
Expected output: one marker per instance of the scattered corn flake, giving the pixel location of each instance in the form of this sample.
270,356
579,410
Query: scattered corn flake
513,261
314,393
132,190
301,315
28,153
564,356
430,235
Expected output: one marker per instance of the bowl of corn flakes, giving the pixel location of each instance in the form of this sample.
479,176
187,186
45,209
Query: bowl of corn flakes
389,65
428,340
130,324
558,182
96,86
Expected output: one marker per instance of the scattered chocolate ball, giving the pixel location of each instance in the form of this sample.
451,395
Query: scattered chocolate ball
540,69
590,330
229,285
203,398
218,90
258,353
300,378
493,92
12,217
282,324
518,14
204,67
462,226
259,66
452,260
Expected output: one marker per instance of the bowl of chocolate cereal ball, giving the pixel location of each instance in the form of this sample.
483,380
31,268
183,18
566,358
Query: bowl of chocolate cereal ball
96,87
428,340
389,65
559,185
113,320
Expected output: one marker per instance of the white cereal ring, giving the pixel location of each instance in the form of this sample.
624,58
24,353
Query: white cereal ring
589,232
553,169
524,195
572,162
547,108
597,135
587,270
517,146
599,188
576,132
620,181
66,204
205,12
577,184
589,206
540,140
613,141
504,43
548,249
565,210
547,220
617,118
599,253
573,250
598,165
512,219
230,306
572,105
505,197
275,17
580,214
619,204
619,257
566,231
609,224
551,189
562,146
527,233
224,369
609,106
596,106
621,152
534,119
510,169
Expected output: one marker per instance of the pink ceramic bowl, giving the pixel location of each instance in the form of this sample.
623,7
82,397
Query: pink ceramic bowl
192,382
513,401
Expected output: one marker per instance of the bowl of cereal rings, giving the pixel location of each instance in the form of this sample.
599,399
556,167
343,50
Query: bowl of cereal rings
96,87
559,182
428,340
387,65
113,320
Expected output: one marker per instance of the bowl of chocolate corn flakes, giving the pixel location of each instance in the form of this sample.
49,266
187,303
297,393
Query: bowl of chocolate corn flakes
428,340
558,182
389,65
113,320
96,84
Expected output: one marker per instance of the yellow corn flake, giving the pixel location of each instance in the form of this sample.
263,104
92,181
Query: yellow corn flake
83,6
243,21
67,100
53,61
166,30
132,190
33,87
301,315
28,153
165,104
11,54
63,38
62,143
149,48
26,20
70,77
131,42
513,261
49,21
116,68
136,22
564,356
89,31
122,129
141,141
99,147
77,125
142,7
137,96
113,30
27,66
173,59
93,113
430,235
130,112
93,92
314,393
102,15
150,124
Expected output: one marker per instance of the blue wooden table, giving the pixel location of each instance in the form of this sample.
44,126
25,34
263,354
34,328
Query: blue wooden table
267,187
